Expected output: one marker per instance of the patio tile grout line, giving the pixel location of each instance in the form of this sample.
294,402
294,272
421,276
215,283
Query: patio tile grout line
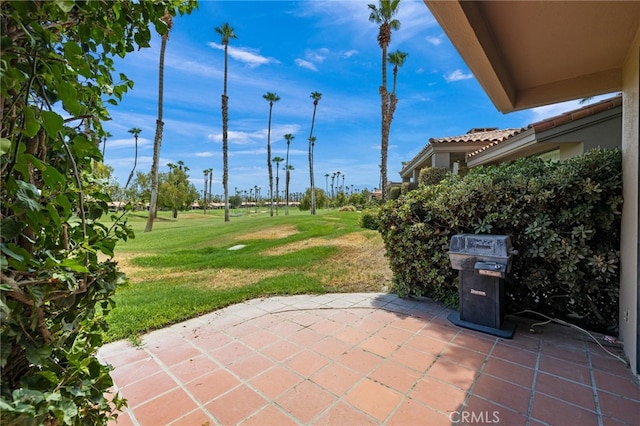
406,396
181,385
426,370
282,363
364,377
594,387
342,398
243,382
128,410
469,392
532,391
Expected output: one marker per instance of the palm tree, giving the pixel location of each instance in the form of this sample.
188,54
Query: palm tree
396,59
271,98
206,181
326,182
257,192
384,16
288,169
333,179
277,160
157,141
104,143
316,96
136,131
210,183
225,32
288,137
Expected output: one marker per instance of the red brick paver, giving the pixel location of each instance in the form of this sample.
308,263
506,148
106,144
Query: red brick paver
360,359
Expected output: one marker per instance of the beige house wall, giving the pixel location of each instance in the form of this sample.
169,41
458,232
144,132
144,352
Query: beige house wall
630,269
569,150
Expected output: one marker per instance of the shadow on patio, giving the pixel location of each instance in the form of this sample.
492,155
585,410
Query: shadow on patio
365,358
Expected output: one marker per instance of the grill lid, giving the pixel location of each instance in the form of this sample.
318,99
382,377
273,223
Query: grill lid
481,245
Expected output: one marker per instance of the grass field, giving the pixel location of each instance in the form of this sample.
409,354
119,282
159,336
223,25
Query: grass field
184,268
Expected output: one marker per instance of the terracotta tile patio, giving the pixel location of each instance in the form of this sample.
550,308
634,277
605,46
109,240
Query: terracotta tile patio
367,358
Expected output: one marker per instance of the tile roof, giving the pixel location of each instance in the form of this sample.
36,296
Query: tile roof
577,114
558,120
484,135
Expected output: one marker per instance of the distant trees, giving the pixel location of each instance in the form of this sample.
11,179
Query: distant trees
320,197
176,192
226,33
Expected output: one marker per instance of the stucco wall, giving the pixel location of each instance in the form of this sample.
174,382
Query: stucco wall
629,281
605,133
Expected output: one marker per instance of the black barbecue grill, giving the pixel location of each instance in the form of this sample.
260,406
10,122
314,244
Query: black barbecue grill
483,261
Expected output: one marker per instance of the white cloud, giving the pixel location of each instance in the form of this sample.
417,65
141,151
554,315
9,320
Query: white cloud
350,53
128,143
248,56
436,41
457,75
205,154
318,55
305,64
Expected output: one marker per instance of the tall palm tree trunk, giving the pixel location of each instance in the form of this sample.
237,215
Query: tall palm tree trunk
135,132
210,183
277,188
311,183
286,191
385,123
157,141
225,146
204,192
269,161
316,98
288,137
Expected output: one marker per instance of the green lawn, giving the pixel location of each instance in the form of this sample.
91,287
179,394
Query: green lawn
184,268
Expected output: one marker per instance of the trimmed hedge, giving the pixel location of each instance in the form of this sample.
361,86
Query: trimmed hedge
432,175
563,217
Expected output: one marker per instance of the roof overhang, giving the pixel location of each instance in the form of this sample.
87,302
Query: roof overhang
531,53
519,142
417,161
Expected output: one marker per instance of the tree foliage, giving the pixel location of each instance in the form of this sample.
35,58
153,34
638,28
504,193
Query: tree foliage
321,200
175,191
57,243
563,217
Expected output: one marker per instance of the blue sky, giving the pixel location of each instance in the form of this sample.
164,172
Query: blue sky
294,48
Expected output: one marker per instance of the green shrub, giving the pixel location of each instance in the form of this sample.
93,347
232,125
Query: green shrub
408,186
395,193
369,218
432,175
563,217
